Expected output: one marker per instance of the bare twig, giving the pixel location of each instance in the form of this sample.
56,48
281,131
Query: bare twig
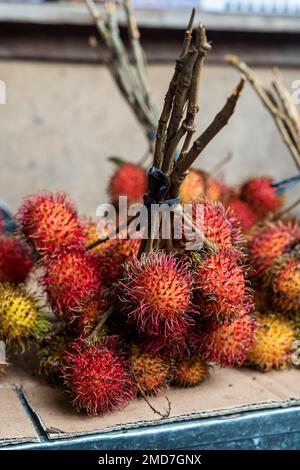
111,234
103,319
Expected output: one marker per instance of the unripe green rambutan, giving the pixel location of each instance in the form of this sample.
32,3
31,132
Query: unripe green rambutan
285,284
151,372
261,196
21,318
129,180
50,223
70,278
191,371
15,260
98,376
221,290
272,347
226,344
268,242
157,293
243,212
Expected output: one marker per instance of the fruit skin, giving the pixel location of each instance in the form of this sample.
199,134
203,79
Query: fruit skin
21,318
285,284
51,352
50,223
220,287
261,196
272,347
191,371
243,212
219,226
226,344
70,278
16,260
98,376
90,311
111,258
157,293
268,242
198,184
129,180
151,372
175,346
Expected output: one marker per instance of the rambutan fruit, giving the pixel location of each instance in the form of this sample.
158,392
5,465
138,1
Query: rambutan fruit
51,351
261,196
272,346
175,346
98,376
92,236
219,226
228,343
198,184
70,278
220,287
268,242
129,180
50,223
21,318
191,371
157,293
151,372
285,285
91,310
15,260
243,212
112,257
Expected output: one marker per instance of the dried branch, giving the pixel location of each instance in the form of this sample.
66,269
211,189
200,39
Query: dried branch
186,161
94,336
284,120
168,103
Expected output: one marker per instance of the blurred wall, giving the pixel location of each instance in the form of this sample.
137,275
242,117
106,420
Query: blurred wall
61,121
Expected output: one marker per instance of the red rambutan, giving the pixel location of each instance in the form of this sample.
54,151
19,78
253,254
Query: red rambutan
70,278
15,260
261,196
91,310
98,376
285,285
50,223
157,293
267,243
220,286
128,180
174,346
112,257
229,343
243,212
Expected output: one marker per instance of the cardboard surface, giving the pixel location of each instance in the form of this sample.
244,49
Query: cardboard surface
227,391
15,425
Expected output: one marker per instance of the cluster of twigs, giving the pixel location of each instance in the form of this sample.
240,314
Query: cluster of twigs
177,126
279,102
131,79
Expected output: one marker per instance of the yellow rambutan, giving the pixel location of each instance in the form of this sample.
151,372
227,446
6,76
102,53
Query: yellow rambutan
272,345
285,284
191,371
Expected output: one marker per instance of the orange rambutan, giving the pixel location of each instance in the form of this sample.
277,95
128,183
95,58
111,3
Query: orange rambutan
70,278
220,287
91,310
285,284
228,343
191,371
261,196
16,259
272,347
98,376
151,372
50,223
129,180
157,293
268,242
198,184
243,212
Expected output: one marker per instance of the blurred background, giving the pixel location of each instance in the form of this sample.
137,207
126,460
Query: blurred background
64,115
